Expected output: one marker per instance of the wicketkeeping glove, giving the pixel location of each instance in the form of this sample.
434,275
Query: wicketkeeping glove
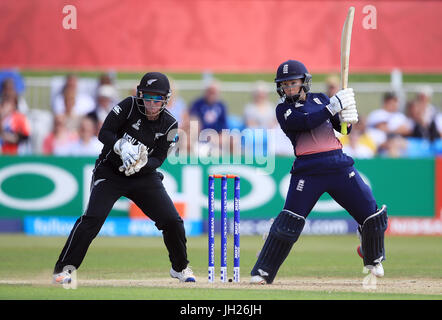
343,99
128,152
140,163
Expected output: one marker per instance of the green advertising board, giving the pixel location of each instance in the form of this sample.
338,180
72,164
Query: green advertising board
407,186
59,186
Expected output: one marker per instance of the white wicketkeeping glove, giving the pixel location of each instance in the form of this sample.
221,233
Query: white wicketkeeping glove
140,163
343,99
128,152
349,115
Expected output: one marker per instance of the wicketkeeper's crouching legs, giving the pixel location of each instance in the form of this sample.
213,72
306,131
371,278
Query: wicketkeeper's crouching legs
103,196
84,231
174,238
284,232
158,206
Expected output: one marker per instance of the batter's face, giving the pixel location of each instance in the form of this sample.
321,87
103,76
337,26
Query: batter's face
291,87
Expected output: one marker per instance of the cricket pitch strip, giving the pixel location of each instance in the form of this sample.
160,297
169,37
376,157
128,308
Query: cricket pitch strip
382,285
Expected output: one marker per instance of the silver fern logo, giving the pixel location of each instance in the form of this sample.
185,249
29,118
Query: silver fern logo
136,126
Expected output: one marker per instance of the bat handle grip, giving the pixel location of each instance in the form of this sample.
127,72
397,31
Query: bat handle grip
344,128
344,124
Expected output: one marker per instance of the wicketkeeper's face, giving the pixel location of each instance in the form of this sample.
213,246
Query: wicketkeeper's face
153,103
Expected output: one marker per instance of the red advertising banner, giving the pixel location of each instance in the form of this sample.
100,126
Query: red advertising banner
221,36
414,227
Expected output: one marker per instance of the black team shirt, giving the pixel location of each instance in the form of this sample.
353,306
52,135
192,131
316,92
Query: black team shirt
126,121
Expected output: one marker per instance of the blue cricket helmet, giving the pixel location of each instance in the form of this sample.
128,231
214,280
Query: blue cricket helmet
290,70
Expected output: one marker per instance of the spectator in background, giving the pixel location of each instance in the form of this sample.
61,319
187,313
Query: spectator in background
9,92
71,82
72,116
387,122
260,112
14,127
107,79
259,116
87,143
394,147
82,103
177,106
358,144
106,95
332,85
418,124
389,119
431,117
209,112
60,139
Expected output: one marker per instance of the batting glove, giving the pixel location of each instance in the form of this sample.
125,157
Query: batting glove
341,100
349,115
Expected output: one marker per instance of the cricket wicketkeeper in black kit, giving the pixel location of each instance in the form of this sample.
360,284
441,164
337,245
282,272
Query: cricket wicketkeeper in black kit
137,135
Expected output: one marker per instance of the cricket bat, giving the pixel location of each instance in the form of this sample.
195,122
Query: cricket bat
345,54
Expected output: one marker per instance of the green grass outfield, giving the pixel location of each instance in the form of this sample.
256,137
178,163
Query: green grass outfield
318,267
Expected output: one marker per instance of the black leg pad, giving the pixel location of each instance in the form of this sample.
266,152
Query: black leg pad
283,234
372,235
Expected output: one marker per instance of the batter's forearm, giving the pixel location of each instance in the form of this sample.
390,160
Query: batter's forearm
303,122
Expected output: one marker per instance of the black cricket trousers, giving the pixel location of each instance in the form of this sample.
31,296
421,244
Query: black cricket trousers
148,193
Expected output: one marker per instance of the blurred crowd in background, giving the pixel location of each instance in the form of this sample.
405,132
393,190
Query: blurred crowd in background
390,131
71,124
